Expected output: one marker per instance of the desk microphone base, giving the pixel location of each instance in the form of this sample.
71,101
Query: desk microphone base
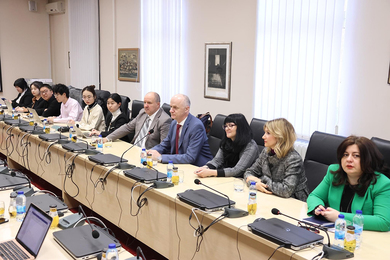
63,141
91,152
335,252
125,166
235,213
162,184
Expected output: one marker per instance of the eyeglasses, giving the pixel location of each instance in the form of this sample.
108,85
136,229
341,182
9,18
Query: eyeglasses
230,126
45,91
87,97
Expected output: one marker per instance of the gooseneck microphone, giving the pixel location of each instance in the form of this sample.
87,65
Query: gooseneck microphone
330,251
125,166
35,131
159,184
28,191
95,233
230,212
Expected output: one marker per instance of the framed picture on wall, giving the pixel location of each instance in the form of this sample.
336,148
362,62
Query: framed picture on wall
388,77
218,65
1,80
128,64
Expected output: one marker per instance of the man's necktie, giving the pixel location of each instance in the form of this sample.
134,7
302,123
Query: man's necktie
142,133
177,137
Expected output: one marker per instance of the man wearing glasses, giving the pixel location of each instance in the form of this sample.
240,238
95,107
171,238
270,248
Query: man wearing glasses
70,108
187,141
51,107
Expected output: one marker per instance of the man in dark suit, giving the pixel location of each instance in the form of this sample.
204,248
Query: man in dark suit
52,107
152,116
187,140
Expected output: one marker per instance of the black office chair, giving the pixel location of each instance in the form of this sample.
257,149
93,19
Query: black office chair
384,148
136,106
257,126
125,106
321,152
216,133
167,108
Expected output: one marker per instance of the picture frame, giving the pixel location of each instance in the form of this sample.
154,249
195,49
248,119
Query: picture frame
388,77
1,80
218,63
128,64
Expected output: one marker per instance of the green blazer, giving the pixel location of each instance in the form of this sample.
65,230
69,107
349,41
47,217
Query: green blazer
375,204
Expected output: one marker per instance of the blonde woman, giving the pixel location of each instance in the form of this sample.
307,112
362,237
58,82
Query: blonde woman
279,168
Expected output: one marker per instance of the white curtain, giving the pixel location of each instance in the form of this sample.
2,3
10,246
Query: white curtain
299,44
161,23
84,43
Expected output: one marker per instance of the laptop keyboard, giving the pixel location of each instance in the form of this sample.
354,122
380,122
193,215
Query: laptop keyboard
9,250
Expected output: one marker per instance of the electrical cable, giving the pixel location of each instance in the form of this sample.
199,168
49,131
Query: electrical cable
238,232
282,245
177,231
117,198
69,170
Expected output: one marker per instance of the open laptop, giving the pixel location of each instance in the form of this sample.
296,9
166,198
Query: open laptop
81,134
282,232
205,200
36,117
9,106
30,237
106,159
145,175
8,182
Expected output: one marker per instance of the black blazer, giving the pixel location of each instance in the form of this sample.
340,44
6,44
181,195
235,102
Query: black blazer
53,108
40,103
24,101
112,126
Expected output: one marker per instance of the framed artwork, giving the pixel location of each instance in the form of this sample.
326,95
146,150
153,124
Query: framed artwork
128,64
388,77
218,63
1,81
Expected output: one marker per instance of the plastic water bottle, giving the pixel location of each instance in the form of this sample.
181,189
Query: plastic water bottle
112,252
31,119
339,231
70,132
20,206
100,143
46,128
252,200
358,222
143,156
13,113
169,171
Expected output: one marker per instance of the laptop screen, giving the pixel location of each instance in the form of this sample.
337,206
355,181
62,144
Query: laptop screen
33,230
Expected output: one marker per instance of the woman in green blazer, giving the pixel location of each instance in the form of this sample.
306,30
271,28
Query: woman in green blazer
357,184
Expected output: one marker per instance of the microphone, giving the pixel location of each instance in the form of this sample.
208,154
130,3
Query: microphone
87,151
330,251
139,252
36,132
159,184
95,233
61,140
125,166
230,212
28,191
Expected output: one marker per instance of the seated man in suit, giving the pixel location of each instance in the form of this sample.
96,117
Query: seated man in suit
152,116
51,106
187,140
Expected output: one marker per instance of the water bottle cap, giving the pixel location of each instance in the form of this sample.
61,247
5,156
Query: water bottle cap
170,162
351,227
253,183
100,135
341,216
20,192
143,149
13,195
359,211
111,246
52,206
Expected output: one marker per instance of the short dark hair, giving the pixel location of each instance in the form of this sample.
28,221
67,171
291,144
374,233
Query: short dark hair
46,86
232,149
61,89
91,89
37,84
371,160
115,97
21,83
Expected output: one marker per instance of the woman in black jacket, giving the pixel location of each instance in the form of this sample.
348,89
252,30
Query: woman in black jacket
115,118
37,100
24,97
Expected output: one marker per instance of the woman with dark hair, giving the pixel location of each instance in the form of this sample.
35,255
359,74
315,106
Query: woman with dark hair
236,153
115,118
93,117
355,183
37,100
279,169
24,97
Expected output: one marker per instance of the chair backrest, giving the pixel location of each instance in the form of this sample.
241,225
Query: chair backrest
136,106
166,107
101,99
216,133
125,106
384,148
257,126
321,152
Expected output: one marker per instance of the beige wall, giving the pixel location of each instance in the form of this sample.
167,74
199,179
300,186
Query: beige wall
24,43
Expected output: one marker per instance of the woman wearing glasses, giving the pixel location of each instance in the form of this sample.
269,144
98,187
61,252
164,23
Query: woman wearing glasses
279,168
93,117
236,153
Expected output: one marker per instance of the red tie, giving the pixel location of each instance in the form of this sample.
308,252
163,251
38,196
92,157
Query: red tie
177,138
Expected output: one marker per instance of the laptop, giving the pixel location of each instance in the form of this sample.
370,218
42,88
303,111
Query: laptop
281,232
81,134
31,128
30,236
106,159
9,106
36,117
205,200
80,244
52,137
78,147
145,175
8,182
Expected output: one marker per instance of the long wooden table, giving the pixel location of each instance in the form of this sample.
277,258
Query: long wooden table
163,223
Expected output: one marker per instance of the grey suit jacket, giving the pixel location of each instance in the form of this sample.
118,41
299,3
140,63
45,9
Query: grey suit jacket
160,124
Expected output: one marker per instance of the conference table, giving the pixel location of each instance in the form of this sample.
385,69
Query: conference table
163,223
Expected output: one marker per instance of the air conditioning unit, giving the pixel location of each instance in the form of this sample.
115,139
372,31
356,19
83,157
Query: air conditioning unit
55,8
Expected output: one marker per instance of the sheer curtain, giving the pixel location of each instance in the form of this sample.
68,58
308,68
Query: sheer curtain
161,23
299,44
